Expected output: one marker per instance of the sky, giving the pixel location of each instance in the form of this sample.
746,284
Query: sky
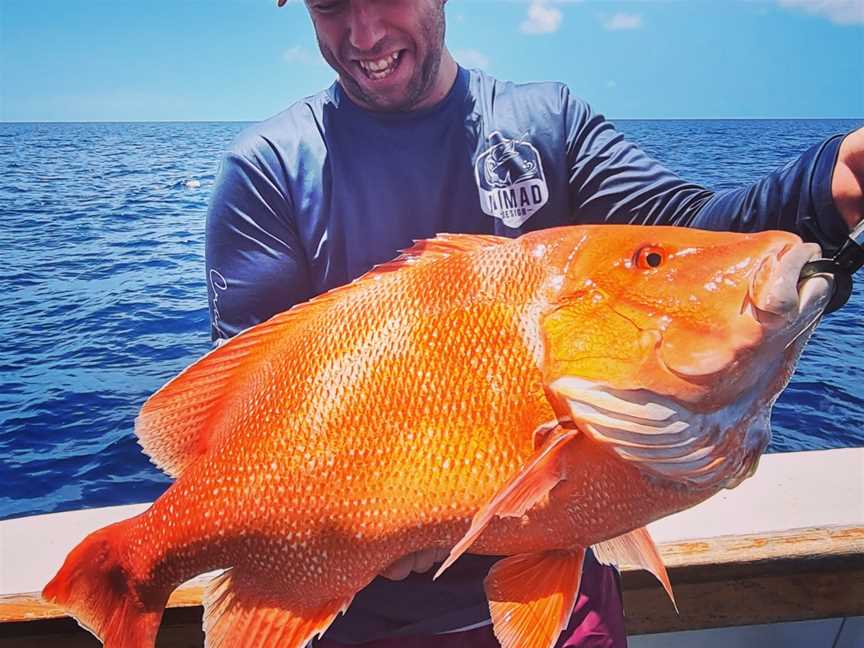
244,60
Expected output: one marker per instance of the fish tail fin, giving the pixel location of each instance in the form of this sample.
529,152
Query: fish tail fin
94,587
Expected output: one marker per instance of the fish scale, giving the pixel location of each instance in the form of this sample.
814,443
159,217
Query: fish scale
416,408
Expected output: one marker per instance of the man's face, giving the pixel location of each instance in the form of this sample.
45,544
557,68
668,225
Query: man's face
387,52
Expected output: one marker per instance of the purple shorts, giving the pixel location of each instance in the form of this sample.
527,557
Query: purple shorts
597,622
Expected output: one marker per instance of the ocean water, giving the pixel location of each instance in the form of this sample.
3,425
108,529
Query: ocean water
103,293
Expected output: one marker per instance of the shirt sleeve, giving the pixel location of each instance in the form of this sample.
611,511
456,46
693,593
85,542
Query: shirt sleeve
613,181
255,264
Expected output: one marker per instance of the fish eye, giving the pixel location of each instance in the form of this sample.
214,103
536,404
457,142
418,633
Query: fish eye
649,256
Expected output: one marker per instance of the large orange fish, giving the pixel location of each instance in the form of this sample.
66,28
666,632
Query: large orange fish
527,398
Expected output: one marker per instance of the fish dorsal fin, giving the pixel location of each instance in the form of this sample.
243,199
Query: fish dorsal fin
176,424
531,596
528,487
442,245
638,549
238,613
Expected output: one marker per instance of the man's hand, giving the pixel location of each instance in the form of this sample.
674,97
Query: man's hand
420,562
847,185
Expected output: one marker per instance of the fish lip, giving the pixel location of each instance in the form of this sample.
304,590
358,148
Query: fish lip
781,304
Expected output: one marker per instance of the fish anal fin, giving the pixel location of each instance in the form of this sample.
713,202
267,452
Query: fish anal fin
528,487
241,614
635,548
531,596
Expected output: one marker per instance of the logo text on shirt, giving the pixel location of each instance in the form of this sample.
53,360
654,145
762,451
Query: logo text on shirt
510,179
217,284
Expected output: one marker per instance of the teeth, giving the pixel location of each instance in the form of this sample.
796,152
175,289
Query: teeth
380,68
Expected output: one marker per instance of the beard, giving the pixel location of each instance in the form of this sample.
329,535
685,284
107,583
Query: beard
428,50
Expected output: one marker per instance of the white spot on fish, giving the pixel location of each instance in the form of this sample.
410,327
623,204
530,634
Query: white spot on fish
742,265
685,252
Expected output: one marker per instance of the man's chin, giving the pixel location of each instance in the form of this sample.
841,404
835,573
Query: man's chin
385,102
398,95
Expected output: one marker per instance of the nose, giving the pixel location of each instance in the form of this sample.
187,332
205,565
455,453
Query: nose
365,26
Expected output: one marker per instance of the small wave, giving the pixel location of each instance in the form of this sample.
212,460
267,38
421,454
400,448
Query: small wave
188,183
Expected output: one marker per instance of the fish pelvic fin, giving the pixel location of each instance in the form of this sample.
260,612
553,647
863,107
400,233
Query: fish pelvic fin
531,596
94,587
240,613
635,548
528,487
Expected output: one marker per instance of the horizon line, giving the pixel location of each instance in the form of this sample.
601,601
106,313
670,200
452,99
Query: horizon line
252,121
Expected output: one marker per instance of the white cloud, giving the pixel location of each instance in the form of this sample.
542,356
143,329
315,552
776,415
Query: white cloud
842,12
301,55
623,21
542,19
471,58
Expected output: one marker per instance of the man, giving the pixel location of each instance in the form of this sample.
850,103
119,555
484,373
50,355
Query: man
407,144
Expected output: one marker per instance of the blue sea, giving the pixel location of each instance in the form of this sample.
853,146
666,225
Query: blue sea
103,294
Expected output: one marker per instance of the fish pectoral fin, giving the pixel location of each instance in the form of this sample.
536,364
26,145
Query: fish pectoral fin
635,548
239,613
528,487
531,596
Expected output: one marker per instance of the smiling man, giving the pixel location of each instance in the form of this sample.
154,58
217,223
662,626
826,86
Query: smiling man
407,144
397,65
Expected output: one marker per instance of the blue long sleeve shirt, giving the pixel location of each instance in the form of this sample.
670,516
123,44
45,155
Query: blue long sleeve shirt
315,196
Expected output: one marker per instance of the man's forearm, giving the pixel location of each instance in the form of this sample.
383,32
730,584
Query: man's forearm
847,183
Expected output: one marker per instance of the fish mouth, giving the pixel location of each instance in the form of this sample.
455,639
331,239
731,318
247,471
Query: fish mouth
773,308
779,299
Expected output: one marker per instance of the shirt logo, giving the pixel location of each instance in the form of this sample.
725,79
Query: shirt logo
510,179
